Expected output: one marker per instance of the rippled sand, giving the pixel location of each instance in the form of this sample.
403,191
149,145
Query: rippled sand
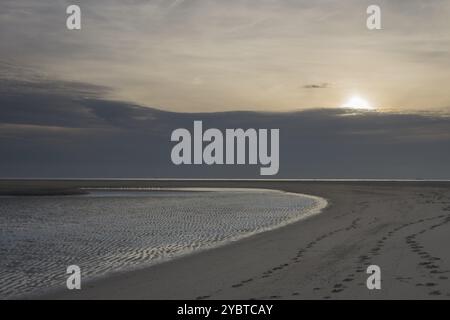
117,230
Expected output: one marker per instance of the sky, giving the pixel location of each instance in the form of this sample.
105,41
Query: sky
65,130
101,102
216,55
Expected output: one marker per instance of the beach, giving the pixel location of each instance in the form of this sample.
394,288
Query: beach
107,231
403,227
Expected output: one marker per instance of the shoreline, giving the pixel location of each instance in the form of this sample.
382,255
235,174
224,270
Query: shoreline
321,205
317,208
63,186
312,205
399,226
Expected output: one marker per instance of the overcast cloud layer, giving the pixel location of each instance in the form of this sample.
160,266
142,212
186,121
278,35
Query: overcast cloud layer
217,55
103,101
47,132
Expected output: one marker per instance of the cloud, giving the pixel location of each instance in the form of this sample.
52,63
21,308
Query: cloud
323,85
46,133
175,3
248,53
18,79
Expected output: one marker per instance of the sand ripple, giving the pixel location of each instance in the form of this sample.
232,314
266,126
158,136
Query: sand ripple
116,230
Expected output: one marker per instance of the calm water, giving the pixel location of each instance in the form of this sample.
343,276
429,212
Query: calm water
108,231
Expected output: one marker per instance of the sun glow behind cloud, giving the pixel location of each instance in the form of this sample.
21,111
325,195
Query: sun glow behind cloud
203,56
358,103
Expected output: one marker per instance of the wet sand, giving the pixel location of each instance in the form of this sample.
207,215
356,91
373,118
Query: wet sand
403,227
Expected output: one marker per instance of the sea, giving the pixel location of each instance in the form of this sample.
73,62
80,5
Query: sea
117,230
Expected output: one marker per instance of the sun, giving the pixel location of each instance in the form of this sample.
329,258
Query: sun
356,102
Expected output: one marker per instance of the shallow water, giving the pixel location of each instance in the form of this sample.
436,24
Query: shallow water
109,231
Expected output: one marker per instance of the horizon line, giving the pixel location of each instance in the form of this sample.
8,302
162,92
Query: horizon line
232,179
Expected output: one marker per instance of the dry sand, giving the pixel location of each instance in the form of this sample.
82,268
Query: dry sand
403,227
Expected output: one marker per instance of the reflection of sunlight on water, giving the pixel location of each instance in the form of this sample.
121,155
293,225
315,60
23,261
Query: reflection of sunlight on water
117,230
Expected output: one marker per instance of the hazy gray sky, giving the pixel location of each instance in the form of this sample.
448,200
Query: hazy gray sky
213,55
